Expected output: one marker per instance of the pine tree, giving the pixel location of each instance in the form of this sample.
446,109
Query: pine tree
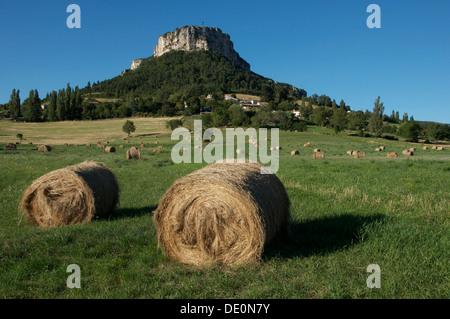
14,104
61,105
51,108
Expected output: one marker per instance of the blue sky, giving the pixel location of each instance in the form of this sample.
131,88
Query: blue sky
322,46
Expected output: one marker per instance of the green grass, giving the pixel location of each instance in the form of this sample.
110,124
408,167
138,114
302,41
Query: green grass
346,215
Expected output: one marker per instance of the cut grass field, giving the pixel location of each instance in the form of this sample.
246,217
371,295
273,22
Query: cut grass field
347,213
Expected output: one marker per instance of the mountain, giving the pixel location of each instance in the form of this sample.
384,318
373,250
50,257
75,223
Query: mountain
190,61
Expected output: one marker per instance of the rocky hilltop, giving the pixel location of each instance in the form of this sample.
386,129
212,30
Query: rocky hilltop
194,38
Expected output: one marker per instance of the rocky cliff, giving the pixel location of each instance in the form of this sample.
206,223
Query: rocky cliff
194,38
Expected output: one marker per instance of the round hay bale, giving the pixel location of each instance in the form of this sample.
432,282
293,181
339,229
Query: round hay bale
128,142
319,155
440,148
71,195
30,143
295,152
412,149
11,146
278,148
156,142
434,147
221,214
65,144
133,153
392,154
309,144
44,148
349,152
316,150
377,149
99,146
109,149
88,145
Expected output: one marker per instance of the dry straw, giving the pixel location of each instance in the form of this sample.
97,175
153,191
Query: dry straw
360,155
109,149
224,213
392,154
318,155
44,148
133,153
71,195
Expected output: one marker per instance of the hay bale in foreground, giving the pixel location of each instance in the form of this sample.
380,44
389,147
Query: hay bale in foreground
224,213
109,149
11,146
392,154
71,195
44,148
295,152
133,153
318,155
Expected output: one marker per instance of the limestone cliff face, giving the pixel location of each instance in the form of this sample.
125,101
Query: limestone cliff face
194,38
135,63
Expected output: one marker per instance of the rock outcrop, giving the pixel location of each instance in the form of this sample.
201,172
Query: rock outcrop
194,38
135,63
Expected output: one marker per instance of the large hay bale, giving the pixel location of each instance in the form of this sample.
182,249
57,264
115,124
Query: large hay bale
318,155
360,155
71,195
11,146
133,153
109,149
295,152
44,148
392,154
224,213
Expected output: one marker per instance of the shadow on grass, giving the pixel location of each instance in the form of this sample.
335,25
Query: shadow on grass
319,236
122,213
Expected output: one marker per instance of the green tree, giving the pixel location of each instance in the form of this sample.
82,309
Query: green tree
19,136
376,120
14,104
339,119
32,107
410,130
267,93
129,127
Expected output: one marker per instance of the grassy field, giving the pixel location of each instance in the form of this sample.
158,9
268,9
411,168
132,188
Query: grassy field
346,215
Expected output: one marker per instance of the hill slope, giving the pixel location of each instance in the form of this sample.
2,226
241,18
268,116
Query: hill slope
190,74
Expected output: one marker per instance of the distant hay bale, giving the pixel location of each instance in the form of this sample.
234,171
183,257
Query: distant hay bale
142,145
412,149
425,148
407,153
65,144
382,148
44,148
88,145
140,137
392,154
109,149
360,155
156,142
377,149
158,150
318,155
295,152
224,213
309,144
296,131
440,148
120,146
316,150
76,145
99,146
30,143
11,146
106,142
133,153
128,142
434,147
349,152
354,153
71,195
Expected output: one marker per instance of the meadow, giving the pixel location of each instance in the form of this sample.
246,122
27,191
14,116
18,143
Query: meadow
347,214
